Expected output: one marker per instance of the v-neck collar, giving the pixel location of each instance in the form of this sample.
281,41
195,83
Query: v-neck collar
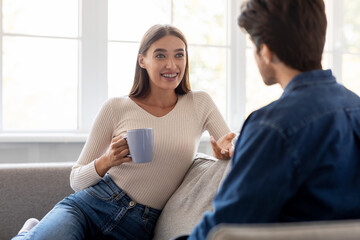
149,114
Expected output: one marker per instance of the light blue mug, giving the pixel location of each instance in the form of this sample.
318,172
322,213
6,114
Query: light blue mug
141,144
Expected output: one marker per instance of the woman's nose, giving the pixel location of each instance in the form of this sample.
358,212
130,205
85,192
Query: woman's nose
170,63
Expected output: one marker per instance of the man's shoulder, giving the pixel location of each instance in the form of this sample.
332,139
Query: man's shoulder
276,113
293,112
285,114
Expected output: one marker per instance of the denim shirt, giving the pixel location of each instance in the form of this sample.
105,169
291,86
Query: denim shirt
297,159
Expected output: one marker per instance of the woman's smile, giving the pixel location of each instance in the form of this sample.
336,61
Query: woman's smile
170,76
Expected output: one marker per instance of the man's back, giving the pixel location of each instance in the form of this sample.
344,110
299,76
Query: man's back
319,124
297,159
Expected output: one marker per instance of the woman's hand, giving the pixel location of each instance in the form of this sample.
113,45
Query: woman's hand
223,148
114,156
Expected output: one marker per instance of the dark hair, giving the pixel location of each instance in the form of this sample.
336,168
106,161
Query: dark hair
141,80
294,30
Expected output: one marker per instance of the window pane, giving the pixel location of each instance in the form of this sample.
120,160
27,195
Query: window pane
205,20
249,42
121,68
208,73
257,93
39,84
330,24
41,17
351,26
129,20
351,72
326,61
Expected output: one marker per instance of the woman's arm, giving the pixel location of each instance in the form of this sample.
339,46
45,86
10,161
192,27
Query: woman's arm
100,151
221,137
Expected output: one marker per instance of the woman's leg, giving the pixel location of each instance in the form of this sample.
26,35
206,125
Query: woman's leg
64,221
102,211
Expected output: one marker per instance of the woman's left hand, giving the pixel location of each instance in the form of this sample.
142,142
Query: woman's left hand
224,147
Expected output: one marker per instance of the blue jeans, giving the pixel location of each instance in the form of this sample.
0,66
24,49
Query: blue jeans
102,211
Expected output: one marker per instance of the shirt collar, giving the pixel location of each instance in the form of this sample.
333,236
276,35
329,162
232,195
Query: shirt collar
310,78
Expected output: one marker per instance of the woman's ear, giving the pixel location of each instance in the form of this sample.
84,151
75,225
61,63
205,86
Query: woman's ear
141,61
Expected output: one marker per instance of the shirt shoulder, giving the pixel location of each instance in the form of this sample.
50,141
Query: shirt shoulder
199,95
201,100
118,103
117,100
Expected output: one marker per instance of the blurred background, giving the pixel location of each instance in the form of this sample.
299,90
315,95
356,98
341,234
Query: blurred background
61,59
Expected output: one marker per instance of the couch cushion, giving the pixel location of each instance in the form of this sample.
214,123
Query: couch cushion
194,196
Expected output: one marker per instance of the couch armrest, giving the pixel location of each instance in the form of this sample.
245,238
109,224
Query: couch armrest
327,230
30,190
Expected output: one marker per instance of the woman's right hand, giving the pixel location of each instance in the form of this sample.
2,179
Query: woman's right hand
223,148
114,156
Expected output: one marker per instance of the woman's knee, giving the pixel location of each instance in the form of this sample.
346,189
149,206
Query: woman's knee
64,221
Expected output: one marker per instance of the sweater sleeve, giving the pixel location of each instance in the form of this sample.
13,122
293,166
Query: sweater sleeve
209,115
83,173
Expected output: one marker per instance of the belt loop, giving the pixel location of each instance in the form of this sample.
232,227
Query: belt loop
146,212
110,183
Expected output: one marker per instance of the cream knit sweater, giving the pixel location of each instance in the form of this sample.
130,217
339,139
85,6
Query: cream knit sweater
176,139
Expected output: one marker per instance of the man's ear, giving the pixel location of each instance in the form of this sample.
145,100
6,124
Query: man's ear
141,61
266,54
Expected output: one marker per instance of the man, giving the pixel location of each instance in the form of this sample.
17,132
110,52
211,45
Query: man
297,159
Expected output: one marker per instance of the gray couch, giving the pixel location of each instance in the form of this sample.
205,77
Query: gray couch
31,190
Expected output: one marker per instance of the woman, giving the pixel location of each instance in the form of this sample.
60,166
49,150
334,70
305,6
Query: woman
116,198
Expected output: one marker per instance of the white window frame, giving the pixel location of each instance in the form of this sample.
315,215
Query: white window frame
236,101
1,64
93,61
93,44
335,40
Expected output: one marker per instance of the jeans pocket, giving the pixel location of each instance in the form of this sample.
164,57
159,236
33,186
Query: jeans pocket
101,191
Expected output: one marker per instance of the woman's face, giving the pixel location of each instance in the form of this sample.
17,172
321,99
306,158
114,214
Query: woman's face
165,62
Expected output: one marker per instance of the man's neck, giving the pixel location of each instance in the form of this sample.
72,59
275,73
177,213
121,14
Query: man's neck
284,74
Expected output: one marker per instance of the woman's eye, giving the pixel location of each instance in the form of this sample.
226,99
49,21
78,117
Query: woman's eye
179,55
160,56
